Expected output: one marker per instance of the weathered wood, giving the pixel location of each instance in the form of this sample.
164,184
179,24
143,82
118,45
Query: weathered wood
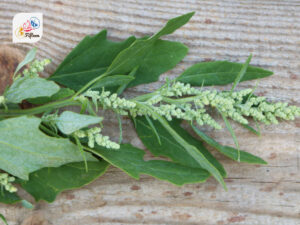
220,30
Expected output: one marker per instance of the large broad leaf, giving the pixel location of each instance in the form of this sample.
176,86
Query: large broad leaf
95,55
25,149
68,121
189,148
135,55
88,60
26,87
130,159
9,198
161,57
47,183
169,146
219,73
229,151
61,94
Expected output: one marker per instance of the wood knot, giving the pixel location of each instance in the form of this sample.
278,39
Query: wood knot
37,218
9,60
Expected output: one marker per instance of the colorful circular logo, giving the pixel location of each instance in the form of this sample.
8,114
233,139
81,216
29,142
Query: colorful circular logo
35,22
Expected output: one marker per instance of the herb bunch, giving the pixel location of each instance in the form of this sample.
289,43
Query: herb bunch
47,149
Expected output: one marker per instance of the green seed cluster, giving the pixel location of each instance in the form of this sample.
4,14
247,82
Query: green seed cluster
94,136
110,101
182,101
235,105
36,67
2,100
6,182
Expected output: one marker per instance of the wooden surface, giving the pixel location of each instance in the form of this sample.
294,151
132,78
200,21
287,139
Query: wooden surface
220,30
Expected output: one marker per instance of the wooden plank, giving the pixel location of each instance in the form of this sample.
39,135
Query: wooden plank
220,30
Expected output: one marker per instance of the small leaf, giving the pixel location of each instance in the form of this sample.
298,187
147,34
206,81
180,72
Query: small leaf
254,131
174,24
3,219
112,81
28,58
61,94
153,129
47,183
229,151
132,73
231,131
169,146
219,73
135,55
130,159
68,121
120,128
241,73
27,204
25,149
26,87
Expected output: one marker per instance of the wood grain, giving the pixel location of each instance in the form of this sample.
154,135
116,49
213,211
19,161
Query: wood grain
220,30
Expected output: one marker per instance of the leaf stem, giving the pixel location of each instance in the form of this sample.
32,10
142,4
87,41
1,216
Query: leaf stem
39,109
90,84
48,131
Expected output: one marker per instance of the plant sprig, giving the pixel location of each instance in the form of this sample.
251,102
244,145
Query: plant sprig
52,149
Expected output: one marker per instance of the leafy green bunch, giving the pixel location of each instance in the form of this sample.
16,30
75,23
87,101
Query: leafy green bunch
46,149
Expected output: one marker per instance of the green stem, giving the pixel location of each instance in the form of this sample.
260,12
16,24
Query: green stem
39,109
144,97
48,131
90,84
147,96
180,100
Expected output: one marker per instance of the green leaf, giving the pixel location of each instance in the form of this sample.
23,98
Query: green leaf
3,219
47,183
28,58
161,57
229,151
26,87
231,131
88,60
61,94
68,121
135,55
241,73
9,198
26,204
174,24
219,73
25,149
254,131
130,159
169,147
93,55
112,81
122,87
77,80
190,149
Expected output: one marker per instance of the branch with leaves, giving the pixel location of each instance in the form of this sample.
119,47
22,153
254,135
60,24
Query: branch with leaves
47,149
